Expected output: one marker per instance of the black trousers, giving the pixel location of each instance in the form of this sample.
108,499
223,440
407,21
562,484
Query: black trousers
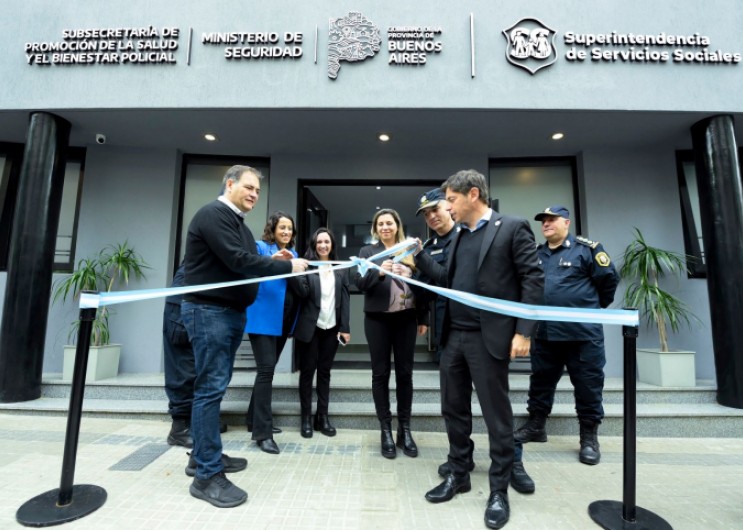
584,359
465,361
266,349
180,370
392,334
317,355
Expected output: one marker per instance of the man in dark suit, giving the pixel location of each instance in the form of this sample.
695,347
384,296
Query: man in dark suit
495,256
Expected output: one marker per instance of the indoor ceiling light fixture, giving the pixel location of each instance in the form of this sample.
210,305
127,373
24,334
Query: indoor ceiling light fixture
558,136
379,187
210,137
384,137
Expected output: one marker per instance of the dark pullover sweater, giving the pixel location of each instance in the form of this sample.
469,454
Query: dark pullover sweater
220,248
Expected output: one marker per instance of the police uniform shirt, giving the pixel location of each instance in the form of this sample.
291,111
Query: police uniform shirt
578,273
438,246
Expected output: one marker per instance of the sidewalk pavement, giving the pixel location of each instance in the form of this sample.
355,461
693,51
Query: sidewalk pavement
344,483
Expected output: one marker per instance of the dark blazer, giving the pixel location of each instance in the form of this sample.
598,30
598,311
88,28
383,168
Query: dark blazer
307,288
507,269
376,288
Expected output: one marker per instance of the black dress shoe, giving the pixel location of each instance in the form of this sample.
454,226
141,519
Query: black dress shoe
445,468
274,430
447,489
520,479
497,511
268,446
306,428
222,427
322,424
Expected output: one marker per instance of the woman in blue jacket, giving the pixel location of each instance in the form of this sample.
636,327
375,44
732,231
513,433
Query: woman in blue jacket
322,324
270,321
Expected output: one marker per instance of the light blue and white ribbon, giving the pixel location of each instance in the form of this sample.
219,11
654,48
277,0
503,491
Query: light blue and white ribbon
620,317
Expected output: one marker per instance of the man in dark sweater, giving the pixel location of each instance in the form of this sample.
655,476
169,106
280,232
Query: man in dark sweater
495,256
221,248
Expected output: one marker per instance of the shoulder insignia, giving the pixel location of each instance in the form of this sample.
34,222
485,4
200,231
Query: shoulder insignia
602,258
587,242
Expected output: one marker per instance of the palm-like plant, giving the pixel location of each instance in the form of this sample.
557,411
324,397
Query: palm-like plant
112,266
643,266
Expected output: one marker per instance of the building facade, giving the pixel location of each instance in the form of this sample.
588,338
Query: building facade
303,91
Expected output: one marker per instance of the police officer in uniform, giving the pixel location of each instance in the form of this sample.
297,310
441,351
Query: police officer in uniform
438,219
578,273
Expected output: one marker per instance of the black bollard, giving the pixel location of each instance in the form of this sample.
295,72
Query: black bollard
626,515
68,502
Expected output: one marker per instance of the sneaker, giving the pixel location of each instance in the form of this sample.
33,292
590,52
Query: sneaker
231,465
218,491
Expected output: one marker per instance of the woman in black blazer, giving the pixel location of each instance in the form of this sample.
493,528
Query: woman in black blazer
391,320
323,322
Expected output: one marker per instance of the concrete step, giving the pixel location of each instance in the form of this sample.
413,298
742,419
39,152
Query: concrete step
666,412
653,420
354,386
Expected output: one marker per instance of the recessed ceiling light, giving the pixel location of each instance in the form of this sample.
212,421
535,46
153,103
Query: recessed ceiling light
210,137
558,136
384,137
379,187
378,208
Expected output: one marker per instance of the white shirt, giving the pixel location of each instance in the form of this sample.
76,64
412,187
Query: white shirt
234,208
326,319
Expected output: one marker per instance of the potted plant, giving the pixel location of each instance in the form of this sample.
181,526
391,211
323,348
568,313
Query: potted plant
109,268
643,266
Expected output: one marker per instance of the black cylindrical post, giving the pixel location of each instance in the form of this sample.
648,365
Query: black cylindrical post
721,211
76,406
31,257
629,475
68,502
625,515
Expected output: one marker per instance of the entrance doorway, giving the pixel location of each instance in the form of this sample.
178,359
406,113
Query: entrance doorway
348,207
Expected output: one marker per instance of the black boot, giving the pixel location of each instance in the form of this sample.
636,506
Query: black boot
533,430
306,429
405,439
180,433
388,443
322,424
520,479
589,443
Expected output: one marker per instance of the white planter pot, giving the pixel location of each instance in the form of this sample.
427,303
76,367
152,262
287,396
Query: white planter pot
674,368
103,362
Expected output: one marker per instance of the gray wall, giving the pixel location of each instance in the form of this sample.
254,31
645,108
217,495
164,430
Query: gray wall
303,84
634,188
128,194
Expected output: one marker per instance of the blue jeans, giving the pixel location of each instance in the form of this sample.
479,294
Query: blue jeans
215,333
179,364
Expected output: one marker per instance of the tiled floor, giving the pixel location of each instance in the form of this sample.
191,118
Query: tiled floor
344,483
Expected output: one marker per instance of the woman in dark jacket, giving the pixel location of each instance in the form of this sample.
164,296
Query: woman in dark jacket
323,322
391,319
